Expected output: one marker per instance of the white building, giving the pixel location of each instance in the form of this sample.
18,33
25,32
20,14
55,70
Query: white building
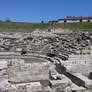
74,19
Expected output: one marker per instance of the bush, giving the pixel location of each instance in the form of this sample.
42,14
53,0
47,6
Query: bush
8,20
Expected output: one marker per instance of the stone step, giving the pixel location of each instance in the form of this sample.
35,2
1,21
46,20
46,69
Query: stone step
88,82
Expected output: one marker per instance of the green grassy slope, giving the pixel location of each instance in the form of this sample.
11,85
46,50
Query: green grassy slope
86,26
20,27
29,27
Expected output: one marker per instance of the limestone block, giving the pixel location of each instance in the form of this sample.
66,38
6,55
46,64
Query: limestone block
27,77
76,88
16,62
3,64
29,72
68,89
59,84
19,49
52,69
21,88
3,72
63,83
34,87
12,88
60,90
46,89
4,84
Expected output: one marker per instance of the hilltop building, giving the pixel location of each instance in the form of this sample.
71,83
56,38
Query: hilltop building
73,19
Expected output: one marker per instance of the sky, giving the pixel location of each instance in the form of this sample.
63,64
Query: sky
46,10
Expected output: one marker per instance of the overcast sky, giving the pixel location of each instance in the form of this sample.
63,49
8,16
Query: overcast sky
37,10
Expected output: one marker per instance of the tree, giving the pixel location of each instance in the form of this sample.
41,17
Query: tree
42,22
8,20
1,21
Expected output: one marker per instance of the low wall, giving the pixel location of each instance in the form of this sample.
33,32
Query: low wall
28,72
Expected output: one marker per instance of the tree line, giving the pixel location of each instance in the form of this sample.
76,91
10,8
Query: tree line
7,20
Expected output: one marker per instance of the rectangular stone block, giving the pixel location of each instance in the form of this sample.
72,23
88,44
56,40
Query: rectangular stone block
34,87
29,72
63,83
76,88
3,64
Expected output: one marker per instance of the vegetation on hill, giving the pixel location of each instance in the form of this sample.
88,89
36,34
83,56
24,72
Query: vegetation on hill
21,27
82,26
9,26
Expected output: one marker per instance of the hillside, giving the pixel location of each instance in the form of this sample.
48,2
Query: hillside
20,27
86,26
29,27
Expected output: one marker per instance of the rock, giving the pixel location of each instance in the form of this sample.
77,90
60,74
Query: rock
34,87
3,64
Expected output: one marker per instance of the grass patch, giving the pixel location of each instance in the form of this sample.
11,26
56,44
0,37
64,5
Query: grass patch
29,27
86,26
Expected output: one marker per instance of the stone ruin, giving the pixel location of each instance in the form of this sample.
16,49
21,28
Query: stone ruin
49,61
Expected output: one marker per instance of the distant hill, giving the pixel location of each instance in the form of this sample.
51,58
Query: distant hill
29,27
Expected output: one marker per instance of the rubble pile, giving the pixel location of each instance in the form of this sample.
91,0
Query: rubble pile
62,45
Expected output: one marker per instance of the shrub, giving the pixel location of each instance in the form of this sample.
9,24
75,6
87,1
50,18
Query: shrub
8,20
